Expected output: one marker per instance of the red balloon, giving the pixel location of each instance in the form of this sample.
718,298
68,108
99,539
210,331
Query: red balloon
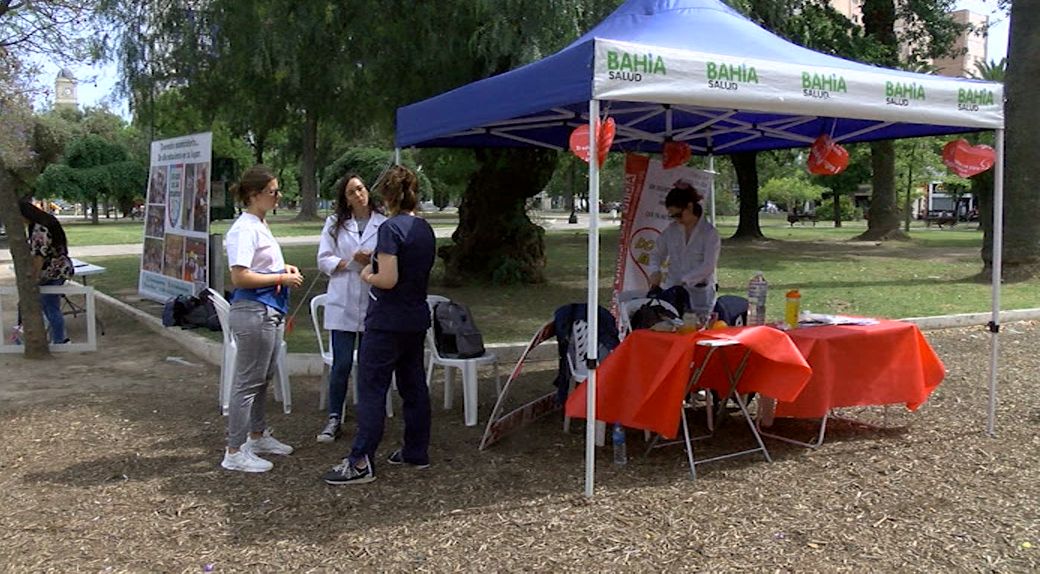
675,154
579,141
827,157
967,160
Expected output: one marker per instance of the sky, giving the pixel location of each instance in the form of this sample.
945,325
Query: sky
98,83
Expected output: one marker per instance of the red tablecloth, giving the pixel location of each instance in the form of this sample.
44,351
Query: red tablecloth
641,384
859,365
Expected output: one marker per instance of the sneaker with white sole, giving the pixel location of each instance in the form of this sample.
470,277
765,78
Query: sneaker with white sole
267,444
346,473
397,457
245,461
331,431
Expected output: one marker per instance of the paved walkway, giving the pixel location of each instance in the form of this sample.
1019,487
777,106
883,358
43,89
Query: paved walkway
552,221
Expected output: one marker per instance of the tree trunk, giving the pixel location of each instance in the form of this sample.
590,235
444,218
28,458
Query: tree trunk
94,211
259,141
35,334
746,166
308,169
883,213
1021,233
837,209
495,240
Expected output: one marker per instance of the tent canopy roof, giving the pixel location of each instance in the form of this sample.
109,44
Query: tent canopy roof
697,71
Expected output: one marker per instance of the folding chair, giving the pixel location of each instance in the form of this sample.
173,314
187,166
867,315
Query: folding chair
733,377
577,353
468,368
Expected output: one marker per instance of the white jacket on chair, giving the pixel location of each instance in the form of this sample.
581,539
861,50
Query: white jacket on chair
347,294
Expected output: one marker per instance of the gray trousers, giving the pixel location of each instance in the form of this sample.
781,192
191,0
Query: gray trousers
258,333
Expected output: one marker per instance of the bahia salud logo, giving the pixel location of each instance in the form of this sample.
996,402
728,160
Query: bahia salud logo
902,93
820,86
630,66
970,100
722,76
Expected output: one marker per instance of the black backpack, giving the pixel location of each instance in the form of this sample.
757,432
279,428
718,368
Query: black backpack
650,314
454,332
191,312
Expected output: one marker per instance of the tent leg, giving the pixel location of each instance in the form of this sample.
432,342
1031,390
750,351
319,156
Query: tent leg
998,251
592,314
397,156
711,168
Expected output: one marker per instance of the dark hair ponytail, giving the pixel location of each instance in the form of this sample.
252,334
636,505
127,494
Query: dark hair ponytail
41,217
252,182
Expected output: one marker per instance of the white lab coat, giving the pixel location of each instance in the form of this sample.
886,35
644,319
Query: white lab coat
347,294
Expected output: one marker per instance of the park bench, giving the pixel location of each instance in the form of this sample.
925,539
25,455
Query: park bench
793,218
940,218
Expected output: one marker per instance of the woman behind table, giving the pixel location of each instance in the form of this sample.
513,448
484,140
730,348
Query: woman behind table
51,262
395,328
258,306
346,246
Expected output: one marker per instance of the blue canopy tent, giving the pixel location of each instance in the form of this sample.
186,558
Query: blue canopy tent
697,71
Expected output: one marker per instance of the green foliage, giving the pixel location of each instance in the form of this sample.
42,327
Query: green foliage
449,170
369,164
825,212
791,192
94,169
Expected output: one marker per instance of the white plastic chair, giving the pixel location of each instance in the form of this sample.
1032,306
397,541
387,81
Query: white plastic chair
317,308
577,352
282,390
468,367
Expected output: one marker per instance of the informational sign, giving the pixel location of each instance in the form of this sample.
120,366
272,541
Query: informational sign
645,217
175,260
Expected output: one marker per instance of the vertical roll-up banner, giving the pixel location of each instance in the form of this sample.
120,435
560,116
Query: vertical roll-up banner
175,258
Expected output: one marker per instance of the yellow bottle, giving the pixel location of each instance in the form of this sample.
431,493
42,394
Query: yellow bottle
791,310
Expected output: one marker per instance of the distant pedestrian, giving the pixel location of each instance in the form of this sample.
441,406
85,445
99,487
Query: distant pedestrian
258,307
395,329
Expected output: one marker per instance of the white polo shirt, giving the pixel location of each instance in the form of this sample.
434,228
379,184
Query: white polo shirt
250,244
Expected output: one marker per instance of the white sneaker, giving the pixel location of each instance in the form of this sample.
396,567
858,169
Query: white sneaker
267,444
245,461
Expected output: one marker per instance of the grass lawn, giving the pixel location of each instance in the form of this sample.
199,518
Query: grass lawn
934,274
120,231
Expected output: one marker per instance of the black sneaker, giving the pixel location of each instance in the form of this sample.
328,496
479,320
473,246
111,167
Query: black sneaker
347,473
331,431
397,458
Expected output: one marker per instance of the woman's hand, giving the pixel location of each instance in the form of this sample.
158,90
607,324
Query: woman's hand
363,256
366,273
292,277
293,269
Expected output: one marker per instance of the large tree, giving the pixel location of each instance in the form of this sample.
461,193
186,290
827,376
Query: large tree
1021,232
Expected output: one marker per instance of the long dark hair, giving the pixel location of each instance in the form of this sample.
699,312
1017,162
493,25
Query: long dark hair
41,217
344,211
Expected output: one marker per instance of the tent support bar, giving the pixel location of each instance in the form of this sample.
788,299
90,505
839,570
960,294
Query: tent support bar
997,270
397,156
592,313
533,142
868,129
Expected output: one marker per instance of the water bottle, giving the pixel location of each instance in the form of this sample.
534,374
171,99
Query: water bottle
618,437
757,289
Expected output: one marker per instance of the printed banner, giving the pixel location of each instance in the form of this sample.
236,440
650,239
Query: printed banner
642,73
645,217
524,415
175,258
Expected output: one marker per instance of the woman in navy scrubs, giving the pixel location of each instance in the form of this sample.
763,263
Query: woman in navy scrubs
395,329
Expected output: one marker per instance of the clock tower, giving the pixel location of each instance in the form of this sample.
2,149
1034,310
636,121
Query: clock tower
65,90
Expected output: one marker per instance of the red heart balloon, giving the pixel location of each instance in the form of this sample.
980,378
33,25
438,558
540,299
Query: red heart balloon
675,154
967,160
827,157
579,141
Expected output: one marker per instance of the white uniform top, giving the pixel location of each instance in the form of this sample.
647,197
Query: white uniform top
690,262
347,295
250,244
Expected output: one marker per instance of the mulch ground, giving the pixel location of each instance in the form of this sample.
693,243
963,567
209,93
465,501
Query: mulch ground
109,463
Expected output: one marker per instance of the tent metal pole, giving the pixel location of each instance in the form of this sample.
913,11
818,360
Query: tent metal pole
397,156
593,302
711,168
997,269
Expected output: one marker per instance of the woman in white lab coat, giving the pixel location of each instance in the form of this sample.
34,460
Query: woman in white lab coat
347,242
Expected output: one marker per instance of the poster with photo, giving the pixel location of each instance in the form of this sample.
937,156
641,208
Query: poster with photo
175,260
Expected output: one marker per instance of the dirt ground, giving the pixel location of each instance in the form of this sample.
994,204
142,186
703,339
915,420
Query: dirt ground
109,463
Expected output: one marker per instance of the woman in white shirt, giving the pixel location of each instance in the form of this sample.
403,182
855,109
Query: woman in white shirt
691,246
258,307
346,246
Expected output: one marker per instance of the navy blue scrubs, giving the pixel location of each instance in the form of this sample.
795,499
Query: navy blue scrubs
395,331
